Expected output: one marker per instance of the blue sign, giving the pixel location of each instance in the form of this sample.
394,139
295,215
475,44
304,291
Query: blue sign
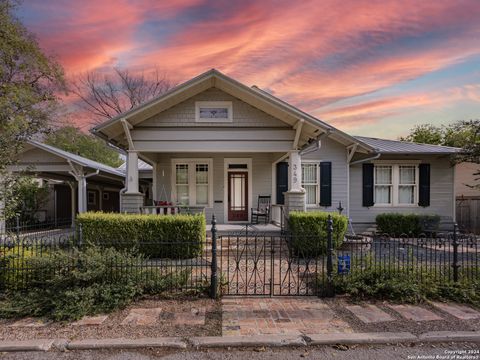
344,264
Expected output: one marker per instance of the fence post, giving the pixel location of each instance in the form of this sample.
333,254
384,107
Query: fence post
330,289
455,244
17,226
213,275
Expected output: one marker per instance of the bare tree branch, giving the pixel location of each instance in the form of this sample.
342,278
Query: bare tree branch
107,95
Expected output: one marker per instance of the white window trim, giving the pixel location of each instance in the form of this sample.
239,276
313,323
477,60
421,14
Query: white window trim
94,202
395,164
192,188
248,170
317,200
226,104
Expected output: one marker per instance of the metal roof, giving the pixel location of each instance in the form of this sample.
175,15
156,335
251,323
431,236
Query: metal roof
80,160
404,147
142,166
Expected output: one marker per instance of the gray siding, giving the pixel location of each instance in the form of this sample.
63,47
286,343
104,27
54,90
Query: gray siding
183,114
337,154
261,177
441,191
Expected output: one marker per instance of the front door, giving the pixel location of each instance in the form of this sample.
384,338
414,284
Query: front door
238,196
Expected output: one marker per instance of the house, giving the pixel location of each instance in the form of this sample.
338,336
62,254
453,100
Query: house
217,143
76,184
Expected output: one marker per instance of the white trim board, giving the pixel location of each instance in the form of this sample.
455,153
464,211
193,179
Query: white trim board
249,170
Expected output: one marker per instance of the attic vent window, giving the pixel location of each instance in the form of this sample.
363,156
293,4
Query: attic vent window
213,111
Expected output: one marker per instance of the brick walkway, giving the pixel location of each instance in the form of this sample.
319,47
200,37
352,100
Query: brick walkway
247,316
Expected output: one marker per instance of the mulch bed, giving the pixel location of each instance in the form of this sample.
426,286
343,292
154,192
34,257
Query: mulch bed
111,327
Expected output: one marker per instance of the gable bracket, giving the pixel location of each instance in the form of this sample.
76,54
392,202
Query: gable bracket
351,151
127,127
298,127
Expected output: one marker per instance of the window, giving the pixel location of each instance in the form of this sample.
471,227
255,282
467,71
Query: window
310,183
396,185
106,196
92,198
213,111
192,182
383,185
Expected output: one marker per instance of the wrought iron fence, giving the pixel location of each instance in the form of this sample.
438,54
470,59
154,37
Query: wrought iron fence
248,262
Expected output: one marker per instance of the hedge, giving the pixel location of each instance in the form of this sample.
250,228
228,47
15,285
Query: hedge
309,231
166,236
409,224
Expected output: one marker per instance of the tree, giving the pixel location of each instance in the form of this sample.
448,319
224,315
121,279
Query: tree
457,134
461,134
29,81
30,197
72,139
425,134
107,95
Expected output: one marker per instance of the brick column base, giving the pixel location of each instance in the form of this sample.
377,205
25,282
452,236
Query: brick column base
131,203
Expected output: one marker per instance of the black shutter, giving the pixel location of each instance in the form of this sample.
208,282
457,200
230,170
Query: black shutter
367,185
424,185
325,183
282,181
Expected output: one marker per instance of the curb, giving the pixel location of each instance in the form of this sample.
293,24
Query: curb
206,342
90,344
247,341
26,345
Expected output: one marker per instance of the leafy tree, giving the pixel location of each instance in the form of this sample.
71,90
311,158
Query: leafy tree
425,134
29,81
106,95
29,197
462,134
72,139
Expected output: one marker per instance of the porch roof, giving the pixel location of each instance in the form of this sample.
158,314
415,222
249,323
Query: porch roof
113,131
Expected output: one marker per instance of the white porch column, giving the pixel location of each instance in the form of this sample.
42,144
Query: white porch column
132,172
295,196
295,172
82,193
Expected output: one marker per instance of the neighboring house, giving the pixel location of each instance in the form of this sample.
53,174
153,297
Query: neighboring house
77,184
216,143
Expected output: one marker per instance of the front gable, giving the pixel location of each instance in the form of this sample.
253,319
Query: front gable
183,114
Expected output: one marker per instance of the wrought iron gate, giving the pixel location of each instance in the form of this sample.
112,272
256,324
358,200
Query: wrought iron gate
267,265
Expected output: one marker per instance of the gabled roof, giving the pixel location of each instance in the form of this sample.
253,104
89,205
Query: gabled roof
112,130
142,166
384,146
77,159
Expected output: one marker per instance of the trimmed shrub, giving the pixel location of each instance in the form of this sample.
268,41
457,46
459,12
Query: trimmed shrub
410,224
168,236
68,286
309,231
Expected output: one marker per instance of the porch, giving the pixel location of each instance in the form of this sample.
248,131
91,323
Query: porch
226,185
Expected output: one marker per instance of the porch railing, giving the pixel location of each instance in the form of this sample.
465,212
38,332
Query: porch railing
171,209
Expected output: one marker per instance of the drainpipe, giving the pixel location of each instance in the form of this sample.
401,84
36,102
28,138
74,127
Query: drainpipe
365,160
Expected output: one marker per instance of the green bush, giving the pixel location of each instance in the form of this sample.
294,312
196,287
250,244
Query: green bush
309,231
371,280
410,224
169,236
68,286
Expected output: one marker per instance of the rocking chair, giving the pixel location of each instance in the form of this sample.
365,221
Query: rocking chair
262,210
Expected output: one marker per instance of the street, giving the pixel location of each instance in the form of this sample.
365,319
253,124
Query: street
449,351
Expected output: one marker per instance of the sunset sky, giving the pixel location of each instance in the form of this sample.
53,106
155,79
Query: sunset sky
371,68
